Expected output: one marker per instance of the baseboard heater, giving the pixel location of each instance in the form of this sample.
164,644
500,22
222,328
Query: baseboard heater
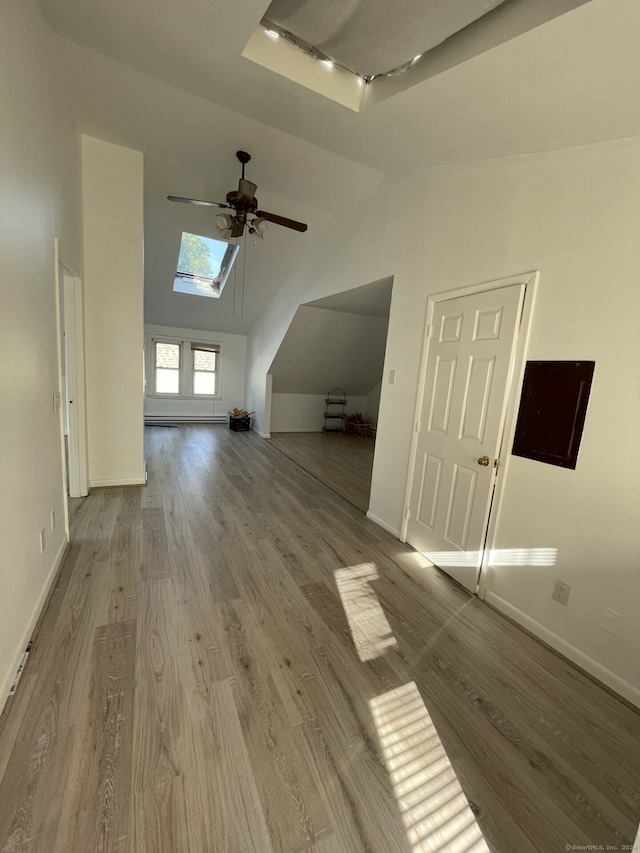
185,419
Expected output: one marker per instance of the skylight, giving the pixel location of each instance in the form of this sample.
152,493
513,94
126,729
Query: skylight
203,265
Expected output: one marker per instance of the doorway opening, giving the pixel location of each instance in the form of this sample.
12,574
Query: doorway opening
338,341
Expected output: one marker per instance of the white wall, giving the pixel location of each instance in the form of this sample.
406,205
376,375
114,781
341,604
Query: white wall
371,404
113,252
40,198
233,349
573,215
305,412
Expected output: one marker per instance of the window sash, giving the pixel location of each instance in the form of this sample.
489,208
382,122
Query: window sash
166,376
204,378
192,377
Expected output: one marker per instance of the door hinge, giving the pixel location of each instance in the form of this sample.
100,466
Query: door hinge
407,513
496,464
429,330
418,426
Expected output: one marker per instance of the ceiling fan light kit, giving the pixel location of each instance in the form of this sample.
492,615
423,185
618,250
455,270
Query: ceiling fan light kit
257,228
245,205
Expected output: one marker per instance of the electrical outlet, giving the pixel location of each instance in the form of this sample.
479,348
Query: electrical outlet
53,520
561,592
43,540
610,621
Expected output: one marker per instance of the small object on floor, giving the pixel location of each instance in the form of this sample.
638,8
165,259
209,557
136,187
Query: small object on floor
240,420
355,424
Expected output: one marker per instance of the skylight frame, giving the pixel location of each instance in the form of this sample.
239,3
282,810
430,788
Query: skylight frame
196,283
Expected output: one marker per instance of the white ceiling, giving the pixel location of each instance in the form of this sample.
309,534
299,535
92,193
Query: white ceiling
168,79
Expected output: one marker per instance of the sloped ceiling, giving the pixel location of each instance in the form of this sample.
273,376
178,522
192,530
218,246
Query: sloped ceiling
168,79
330,349
370,300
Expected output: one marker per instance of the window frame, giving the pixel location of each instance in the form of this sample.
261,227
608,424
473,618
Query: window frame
154,368
210,348
186,369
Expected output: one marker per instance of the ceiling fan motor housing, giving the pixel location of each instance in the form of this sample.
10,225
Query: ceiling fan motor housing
240,202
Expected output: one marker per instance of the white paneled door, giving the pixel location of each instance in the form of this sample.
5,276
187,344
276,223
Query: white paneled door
469,365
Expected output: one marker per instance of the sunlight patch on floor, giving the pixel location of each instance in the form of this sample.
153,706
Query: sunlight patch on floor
370,629
497,557
434,809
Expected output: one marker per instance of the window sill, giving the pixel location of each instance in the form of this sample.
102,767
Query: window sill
185,396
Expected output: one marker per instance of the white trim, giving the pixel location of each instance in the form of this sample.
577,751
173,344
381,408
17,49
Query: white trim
262,434
382,524
68,287
495,284
172,418
509,426
74,329
588,664
69,292
528,281
316,431
134,481
5,685
61,383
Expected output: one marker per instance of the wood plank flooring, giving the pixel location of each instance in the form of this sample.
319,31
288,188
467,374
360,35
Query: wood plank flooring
234,659
342,462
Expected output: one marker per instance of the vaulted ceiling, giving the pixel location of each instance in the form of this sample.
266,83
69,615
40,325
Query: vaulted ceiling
169,79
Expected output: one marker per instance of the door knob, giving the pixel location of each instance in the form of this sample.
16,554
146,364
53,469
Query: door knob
484,461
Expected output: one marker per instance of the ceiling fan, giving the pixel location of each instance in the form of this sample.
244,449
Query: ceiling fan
245,205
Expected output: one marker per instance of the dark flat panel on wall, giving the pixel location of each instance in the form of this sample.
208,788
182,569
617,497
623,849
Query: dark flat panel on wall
552,411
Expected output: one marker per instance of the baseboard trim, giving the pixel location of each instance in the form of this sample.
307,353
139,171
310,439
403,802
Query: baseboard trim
297,430
383,524
134,481
587,664
262,434
32,623
185,419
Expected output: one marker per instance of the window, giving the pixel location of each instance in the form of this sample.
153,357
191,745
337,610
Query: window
205,365
185,368
167,368
203,265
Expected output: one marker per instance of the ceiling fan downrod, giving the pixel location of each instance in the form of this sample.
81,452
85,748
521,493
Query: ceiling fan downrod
244,158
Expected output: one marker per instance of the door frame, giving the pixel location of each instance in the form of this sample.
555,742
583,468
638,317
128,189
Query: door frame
529,280
69,294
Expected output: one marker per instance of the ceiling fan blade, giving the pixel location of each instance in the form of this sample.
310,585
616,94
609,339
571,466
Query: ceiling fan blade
282,220
196,201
